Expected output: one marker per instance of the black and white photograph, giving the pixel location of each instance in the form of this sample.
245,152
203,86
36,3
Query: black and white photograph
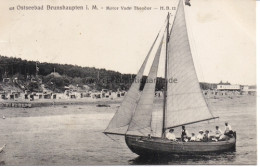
133,82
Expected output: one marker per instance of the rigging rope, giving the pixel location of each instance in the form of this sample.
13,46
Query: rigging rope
144,128
114,140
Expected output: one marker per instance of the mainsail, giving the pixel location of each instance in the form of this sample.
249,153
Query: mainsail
123,116
185,101
141,121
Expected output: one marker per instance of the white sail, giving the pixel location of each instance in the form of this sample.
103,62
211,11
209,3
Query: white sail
141,121
185,102
122,118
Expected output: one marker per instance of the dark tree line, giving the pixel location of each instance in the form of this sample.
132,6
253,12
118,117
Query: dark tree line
69,74
72,74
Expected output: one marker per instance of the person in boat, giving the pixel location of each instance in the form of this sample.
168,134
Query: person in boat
151,134
216,135
218,132
206,136
228,130
193,137
170,135
184,134
200,136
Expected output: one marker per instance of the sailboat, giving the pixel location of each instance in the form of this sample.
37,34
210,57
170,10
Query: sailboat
183,101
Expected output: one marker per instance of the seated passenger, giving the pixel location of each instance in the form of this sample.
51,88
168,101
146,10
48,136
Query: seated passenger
218,132
193,137
206,136
170,135
184,134
200,136
228,129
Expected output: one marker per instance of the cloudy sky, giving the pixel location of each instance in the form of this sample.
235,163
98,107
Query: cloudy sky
222,35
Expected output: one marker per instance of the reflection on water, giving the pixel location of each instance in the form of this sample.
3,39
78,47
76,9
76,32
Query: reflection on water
213,158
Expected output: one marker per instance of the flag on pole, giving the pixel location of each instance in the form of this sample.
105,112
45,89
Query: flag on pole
187,2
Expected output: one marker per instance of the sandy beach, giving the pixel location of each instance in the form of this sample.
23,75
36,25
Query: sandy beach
51,102
67,134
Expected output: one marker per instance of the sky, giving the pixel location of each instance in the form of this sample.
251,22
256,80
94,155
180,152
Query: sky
222,35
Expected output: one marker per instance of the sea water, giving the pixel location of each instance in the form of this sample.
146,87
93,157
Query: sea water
72,135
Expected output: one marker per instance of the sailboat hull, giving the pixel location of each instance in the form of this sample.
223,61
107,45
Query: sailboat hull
157,146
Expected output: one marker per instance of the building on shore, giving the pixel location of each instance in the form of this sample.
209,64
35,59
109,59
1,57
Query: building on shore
3,95
14,95
6,80
227,89
106,93
248,90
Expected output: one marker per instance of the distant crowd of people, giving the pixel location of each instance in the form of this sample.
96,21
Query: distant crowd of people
206,136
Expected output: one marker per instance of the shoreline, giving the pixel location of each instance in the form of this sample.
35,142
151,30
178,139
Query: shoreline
51,102
212,102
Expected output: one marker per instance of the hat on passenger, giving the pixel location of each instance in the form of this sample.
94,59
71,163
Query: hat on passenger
201,131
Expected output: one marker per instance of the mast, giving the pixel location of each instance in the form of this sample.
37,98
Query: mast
165,84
